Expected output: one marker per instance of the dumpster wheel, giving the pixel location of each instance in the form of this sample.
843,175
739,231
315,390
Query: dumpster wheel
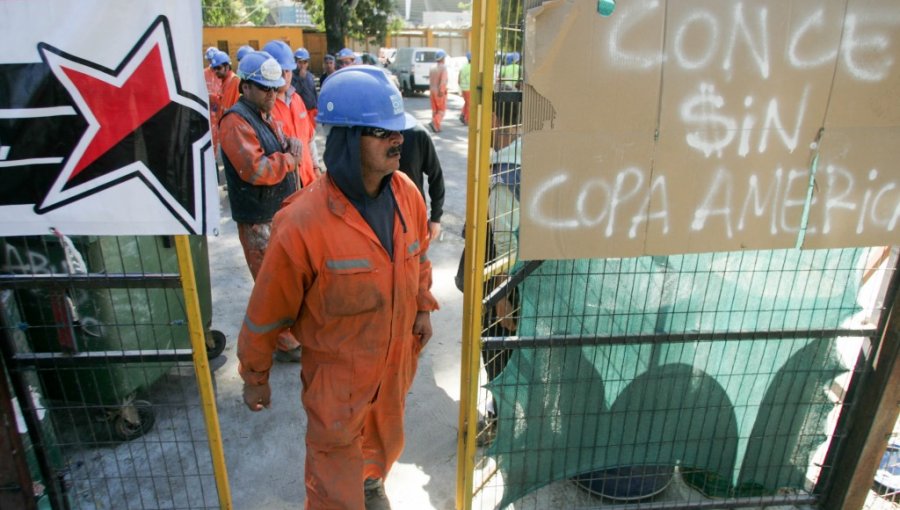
215,343
133,420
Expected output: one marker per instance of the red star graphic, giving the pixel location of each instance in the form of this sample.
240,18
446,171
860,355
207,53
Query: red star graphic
120,110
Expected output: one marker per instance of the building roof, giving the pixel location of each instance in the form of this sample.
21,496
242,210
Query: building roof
417,8
286,12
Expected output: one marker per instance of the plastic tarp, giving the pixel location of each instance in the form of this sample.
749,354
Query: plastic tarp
739,416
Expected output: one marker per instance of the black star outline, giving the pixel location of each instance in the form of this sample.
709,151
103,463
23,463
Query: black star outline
59,195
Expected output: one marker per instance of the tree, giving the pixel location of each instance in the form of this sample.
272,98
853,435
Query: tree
219,13
369,20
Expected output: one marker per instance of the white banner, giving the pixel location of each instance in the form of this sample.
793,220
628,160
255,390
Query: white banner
104,126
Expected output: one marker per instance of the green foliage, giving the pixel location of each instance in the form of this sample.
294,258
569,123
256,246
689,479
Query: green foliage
221,13
369,20
511,26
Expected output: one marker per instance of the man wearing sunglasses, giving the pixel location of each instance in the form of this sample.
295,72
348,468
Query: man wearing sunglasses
347,271
260,162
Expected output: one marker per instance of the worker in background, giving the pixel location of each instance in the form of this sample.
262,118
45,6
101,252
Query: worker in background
260,162
229,92
214,88
243,50
511,73
418,159
437,87
345,58
291,112
329,69
465,73
208,74
347,270
305,84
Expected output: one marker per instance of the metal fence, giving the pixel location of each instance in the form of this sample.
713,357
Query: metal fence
713,380
97,352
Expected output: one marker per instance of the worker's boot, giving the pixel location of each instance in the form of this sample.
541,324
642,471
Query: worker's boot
376,499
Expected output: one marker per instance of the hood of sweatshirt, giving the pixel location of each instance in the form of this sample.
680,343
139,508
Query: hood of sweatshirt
344,163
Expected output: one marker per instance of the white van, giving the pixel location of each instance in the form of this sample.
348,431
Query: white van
411,66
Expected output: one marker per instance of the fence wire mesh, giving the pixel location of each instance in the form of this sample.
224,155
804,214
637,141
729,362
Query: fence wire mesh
708,380
885,494
95,333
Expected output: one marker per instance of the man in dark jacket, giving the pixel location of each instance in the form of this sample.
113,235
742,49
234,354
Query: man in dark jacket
417,160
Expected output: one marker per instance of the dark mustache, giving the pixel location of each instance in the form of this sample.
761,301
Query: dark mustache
393,151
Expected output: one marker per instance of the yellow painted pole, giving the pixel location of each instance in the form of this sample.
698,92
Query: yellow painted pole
484,34
201,369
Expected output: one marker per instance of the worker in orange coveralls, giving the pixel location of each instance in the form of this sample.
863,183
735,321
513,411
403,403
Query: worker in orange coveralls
214,88
291,112
208,74
437,87
347,270
231,84
229,92
260,165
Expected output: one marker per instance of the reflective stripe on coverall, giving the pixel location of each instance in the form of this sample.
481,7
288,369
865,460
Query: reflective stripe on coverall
327,276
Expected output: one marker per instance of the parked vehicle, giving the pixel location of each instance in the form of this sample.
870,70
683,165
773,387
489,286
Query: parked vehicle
411,66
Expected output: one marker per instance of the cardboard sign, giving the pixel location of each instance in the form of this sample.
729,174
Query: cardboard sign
104,127
700,125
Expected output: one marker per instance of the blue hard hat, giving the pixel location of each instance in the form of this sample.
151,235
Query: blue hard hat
329,57
261,68
512,58
281,52
210,52
301,54
440,55
243,50
346,53
362,96
219,58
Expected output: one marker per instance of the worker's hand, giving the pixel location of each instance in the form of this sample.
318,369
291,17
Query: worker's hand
505,309
434,230
295,146
257,396
422,327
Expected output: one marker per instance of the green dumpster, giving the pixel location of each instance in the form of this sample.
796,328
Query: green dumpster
133,322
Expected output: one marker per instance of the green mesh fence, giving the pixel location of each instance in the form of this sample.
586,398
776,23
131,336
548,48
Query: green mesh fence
717,363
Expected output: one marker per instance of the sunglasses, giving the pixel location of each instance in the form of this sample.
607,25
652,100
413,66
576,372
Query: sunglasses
263,88
377,132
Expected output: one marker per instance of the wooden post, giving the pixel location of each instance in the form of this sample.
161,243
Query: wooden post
871,423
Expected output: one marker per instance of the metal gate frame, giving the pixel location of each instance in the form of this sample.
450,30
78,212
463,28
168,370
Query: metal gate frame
186,280
859,438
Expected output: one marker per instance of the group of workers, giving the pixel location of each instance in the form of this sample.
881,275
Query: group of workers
339,257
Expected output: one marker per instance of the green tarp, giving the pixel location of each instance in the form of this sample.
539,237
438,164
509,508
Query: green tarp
739,417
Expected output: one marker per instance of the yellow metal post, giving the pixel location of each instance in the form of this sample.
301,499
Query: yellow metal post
201,369
484,34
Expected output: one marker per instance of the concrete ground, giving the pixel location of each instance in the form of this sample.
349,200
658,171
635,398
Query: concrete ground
265,451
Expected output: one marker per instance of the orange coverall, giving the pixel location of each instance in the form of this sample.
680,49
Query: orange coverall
295,122
242,148
437,86
231,92
214,87
328,278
